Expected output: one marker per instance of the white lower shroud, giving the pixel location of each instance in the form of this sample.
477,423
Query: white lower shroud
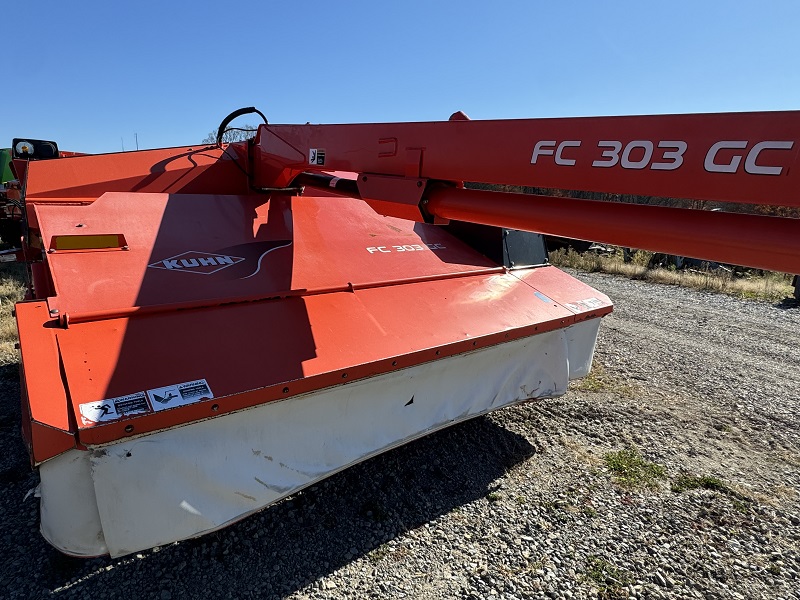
183,482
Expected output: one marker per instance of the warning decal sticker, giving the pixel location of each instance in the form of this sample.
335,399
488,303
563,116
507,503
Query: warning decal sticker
316,156
114,408
179,394
584,305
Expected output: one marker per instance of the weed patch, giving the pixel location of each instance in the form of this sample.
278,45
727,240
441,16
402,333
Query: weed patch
686,482
632,471
599,380
706,482
611,581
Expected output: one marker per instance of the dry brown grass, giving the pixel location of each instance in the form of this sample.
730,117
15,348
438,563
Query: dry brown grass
772,287
12,290
600,380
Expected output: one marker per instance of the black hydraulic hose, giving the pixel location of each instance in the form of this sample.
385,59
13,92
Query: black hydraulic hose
235,114
347,187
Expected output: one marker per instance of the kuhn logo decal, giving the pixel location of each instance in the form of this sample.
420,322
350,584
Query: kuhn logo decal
197,262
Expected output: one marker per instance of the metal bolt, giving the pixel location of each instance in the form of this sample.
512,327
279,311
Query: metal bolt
53,311
419,184
128,428
51,250
125,248
79,225
215,407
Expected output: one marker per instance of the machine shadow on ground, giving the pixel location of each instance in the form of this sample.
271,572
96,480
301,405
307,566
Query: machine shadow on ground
275,552
788,304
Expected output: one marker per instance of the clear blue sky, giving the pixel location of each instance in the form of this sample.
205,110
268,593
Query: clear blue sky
92,74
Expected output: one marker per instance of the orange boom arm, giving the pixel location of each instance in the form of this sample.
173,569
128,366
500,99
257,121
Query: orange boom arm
746,158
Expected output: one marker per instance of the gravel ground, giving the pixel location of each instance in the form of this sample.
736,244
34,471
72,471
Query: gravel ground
522,503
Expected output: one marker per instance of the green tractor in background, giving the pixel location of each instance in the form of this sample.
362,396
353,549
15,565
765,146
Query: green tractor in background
11,208
10,211
5,166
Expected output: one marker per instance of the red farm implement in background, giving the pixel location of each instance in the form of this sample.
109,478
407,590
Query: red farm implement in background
212,328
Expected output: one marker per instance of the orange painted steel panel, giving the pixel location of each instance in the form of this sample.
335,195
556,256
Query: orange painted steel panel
197,250
740,239
574,295
256,352
189,169
266,297
49,425
733,157
47,442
